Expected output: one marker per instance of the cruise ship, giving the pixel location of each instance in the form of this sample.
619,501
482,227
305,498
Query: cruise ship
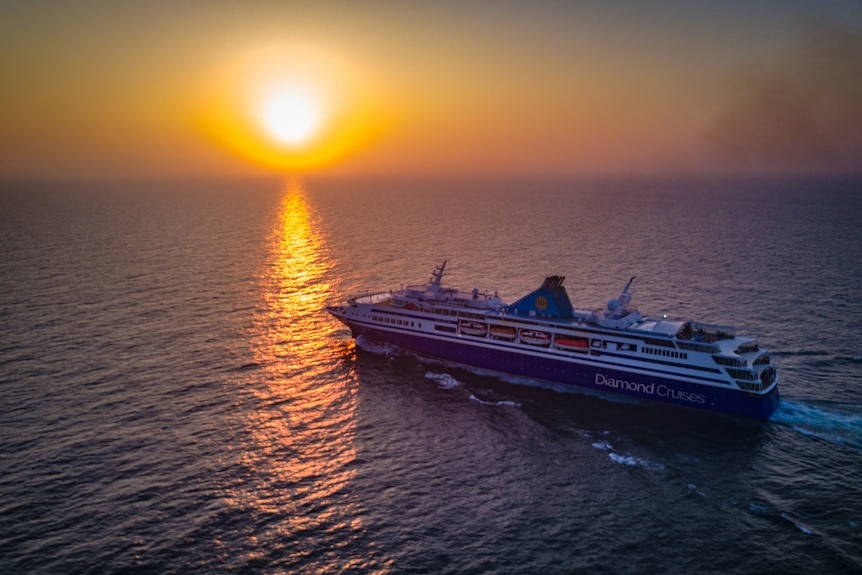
542,336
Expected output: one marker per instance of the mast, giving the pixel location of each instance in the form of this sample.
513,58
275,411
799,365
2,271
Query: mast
437,277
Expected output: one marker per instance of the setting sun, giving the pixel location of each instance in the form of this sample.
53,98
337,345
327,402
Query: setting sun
291,117
291,108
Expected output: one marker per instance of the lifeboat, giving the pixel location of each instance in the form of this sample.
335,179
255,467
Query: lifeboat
503,332
573,343
535,337
473,327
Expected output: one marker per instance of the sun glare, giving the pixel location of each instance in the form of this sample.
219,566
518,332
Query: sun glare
291,117
291,108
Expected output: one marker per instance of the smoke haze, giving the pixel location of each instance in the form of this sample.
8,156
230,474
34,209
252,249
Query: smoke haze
803,113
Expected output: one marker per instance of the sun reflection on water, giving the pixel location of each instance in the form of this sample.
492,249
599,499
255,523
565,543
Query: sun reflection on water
299,457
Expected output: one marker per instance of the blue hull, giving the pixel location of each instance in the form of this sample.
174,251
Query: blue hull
584,376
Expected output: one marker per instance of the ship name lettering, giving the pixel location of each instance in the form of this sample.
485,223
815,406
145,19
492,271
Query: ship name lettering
661,390
623,385
680,394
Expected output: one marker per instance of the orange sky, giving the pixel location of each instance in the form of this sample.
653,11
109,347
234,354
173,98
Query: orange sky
103,89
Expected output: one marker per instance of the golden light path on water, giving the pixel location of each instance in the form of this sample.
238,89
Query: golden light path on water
300,418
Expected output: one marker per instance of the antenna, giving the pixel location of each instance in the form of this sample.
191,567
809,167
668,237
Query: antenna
437,275
625,296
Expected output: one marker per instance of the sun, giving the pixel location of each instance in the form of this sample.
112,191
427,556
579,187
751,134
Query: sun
291,116
292,108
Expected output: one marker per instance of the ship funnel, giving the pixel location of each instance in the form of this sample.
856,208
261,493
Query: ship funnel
550,300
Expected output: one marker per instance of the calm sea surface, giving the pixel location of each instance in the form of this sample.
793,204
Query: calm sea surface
173,399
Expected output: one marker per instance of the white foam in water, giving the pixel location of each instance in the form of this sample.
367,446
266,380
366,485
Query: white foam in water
635,461
796,524
693,488
623,459
815,421
495,403
626,459
374,347
757,508
444,380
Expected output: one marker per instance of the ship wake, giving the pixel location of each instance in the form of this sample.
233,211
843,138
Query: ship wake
835,423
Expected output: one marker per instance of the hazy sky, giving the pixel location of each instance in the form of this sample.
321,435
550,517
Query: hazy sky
115,89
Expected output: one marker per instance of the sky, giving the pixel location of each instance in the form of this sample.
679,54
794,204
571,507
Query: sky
112,89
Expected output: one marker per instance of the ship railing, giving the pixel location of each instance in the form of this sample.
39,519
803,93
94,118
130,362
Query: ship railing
705,332
371,298
698,346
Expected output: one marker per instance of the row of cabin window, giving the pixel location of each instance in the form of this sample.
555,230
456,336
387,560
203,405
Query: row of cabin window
609,345
444,311
666,353
395,321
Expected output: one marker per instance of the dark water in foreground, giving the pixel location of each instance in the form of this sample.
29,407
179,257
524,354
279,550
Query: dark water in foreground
173,400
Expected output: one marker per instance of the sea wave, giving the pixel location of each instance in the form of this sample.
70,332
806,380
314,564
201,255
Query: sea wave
376,348
635,461
504,403
832,422
444,380
626,459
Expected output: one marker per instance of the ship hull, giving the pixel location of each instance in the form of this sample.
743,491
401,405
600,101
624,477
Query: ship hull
579,374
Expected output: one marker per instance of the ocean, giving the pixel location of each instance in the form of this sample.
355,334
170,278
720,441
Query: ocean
173,399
